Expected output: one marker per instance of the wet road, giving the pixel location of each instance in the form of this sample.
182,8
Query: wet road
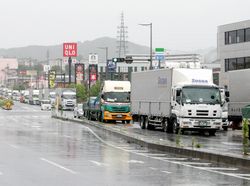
38,150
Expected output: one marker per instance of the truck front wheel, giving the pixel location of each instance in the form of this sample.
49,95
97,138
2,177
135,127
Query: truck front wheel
175,126
212,132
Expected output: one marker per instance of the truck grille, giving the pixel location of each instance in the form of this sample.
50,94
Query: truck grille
69,103
119,109
202,112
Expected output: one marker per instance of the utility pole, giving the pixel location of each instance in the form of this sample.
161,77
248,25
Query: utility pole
70,62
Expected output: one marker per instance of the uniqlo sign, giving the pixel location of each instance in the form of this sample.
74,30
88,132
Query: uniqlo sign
69,49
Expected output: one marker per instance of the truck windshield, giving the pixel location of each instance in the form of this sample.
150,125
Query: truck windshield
69,96
52,95
121,97
206,95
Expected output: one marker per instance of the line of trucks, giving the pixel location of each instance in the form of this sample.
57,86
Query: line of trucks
173,99
64,98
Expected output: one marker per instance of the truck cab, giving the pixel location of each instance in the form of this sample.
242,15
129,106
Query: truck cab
67,98
115,101
197,107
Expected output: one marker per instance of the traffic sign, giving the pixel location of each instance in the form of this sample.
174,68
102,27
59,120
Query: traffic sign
160,54
111,66
93,59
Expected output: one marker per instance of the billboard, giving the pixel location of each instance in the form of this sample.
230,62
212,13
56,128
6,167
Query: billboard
93,71
52,78
69,49
79,73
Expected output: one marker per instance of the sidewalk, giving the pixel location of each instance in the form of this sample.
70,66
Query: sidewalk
225,147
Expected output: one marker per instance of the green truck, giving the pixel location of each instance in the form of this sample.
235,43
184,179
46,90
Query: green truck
113,103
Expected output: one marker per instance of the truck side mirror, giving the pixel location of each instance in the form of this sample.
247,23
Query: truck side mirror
227,93
227,99
178,93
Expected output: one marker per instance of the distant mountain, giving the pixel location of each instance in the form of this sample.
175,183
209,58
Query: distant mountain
84,49
209,54
87,47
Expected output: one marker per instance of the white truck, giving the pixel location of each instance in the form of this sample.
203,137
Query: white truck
34,97
66,98
26,96
177,98
15,95
52,97
44,100
239,88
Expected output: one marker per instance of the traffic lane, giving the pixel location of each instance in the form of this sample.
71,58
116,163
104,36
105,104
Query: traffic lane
71,149
226,142
110,164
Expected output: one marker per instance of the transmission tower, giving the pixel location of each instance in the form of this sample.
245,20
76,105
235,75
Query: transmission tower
122,36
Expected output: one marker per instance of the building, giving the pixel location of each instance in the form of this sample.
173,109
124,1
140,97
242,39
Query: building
233,48
141,63
8,71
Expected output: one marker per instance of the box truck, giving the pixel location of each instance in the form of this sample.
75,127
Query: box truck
66,98
113,103
177,98
239,88
33,96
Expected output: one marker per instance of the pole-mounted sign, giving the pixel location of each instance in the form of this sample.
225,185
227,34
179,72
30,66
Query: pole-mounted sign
69,49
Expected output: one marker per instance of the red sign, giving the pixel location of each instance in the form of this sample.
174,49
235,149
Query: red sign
69,49
93,77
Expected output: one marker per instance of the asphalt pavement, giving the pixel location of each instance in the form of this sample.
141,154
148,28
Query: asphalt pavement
36,149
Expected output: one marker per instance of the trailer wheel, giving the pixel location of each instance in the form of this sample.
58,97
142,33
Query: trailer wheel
142,122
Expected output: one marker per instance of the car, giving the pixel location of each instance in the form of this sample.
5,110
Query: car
78,111
45,104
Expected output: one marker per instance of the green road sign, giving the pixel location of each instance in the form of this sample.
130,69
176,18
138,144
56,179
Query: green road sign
159,49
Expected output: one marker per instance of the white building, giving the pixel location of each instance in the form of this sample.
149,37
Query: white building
233,48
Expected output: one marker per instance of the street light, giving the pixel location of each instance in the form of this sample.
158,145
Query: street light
106,48
151,48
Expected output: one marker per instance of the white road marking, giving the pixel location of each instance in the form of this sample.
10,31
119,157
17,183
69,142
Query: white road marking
176,159
230,143
153,168
67,136
59,166
154,155
14,146
247,175
135,161
195,163
221,168
167,160
98,163
166,172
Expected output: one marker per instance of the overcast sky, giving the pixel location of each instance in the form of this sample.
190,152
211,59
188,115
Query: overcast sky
177,24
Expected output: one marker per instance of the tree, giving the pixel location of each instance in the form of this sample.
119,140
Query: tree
81,92
95,89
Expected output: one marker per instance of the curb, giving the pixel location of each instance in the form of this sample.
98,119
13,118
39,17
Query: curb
213,157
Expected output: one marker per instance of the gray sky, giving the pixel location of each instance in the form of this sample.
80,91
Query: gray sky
177,24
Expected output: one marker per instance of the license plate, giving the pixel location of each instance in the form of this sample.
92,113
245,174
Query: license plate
203,123
119,116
